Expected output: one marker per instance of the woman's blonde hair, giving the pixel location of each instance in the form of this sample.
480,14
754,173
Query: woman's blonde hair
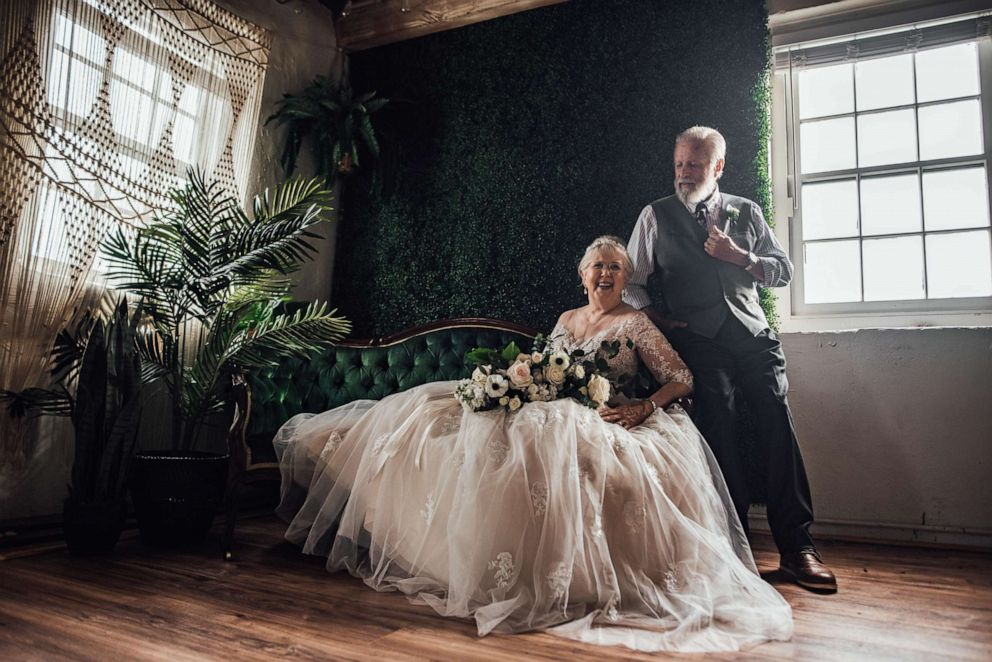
607,244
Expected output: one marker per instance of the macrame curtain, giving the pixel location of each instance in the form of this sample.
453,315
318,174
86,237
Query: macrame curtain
104,104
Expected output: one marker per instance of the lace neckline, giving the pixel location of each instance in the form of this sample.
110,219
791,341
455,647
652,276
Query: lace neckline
599,334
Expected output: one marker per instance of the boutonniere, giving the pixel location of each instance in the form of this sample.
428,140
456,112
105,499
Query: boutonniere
733,213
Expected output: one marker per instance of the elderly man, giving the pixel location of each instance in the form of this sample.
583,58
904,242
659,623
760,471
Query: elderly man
706,252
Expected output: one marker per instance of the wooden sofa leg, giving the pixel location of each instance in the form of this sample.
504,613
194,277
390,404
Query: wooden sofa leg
231,502
237,452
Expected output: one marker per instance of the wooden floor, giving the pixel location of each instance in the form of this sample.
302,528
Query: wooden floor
273,603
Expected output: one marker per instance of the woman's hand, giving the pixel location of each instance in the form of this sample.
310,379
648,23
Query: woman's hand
627,415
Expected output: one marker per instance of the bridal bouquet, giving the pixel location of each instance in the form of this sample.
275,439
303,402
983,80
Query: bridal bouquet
509,378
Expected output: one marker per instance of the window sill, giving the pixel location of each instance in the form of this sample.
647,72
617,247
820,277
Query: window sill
854,321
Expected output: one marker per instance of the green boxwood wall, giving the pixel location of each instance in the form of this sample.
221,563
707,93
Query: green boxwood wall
512,143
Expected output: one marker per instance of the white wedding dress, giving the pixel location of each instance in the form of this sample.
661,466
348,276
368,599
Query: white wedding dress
545,518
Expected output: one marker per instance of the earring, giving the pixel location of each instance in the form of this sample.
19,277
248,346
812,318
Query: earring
585,291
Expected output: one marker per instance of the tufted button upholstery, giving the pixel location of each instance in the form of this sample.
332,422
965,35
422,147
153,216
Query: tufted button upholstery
347,372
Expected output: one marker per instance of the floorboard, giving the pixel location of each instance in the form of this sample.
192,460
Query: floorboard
272,603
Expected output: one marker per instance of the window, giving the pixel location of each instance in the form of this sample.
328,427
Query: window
888,151
131,108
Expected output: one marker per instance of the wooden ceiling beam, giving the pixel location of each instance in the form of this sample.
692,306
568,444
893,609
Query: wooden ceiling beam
372,23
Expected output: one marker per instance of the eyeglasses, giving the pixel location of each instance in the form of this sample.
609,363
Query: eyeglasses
612,267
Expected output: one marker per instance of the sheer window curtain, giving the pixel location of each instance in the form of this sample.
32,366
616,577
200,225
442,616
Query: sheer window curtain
104,104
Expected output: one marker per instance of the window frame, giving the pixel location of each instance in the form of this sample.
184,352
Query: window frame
798,315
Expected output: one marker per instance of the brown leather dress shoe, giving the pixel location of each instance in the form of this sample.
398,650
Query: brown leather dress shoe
808,570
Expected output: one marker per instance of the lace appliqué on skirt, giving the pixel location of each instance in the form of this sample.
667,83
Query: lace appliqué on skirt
503,565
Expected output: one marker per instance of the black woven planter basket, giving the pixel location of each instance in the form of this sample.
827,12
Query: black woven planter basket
177,494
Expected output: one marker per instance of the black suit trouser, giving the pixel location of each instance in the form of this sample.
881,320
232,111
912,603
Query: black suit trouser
734,364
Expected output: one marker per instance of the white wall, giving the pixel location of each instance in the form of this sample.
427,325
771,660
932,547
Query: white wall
896,431
303,46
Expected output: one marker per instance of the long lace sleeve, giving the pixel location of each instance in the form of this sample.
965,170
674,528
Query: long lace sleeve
657,353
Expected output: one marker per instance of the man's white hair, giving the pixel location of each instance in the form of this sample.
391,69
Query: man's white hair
708,136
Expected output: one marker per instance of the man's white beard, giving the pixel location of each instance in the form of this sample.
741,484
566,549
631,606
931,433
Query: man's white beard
697,194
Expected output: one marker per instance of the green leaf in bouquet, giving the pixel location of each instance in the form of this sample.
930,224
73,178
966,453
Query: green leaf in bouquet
482,356
630,344
602,364
510,352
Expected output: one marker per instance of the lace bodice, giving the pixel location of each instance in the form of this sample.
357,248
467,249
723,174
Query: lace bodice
650,348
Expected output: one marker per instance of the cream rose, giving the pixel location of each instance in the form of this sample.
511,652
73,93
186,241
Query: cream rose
537,357
555,374
599,389
579,371
515,403
519,373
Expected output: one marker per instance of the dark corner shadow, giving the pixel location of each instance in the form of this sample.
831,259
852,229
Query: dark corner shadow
284,550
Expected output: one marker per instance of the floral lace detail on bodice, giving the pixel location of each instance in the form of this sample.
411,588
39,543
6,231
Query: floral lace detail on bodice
650,347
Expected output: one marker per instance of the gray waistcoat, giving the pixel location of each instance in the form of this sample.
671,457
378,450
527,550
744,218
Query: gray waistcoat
695,287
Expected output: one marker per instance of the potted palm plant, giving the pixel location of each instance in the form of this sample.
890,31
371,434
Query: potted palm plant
97,384
336,123
212,282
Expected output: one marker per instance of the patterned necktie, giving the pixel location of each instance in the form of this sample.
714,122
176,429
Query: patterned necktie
701,214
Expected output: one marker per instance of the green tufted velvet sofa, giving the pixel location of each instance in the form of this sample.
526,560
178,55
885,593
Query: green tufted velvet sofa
373,369
351,370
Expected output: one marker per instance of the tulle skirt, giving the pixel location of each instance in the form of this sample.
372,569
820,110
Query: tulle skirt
545,518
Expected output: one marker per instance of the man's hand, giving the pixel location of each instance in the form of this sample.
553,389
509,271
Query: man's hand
661,321
722,247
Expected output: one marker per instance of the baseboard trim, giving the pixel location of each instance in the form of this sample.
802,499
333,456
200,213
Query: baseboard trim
888,533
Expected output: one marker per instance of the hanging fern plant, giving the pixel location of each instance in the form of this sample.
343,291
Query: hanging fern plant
336,123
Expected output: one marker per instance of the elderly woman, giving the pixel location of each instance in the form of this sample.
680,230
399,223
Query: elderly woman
611,526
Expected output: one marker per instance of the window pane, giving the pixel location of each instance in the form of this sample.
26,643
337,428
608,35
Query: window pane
959,265
885,82
830,210
890,204
893,268
957,198
951,129
75,93
827,145
832,272
826,91
886,138
201,127
945,73
140,97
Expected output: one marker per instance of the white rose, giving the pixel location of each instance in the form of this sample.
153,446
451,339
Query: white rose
519,373
504,401
479,374
560,359
599,389
537,357
554,374
515,403
496,386
579,372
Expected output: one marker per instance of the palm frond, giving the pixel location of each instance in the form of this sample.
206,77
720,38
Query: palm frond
300,334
